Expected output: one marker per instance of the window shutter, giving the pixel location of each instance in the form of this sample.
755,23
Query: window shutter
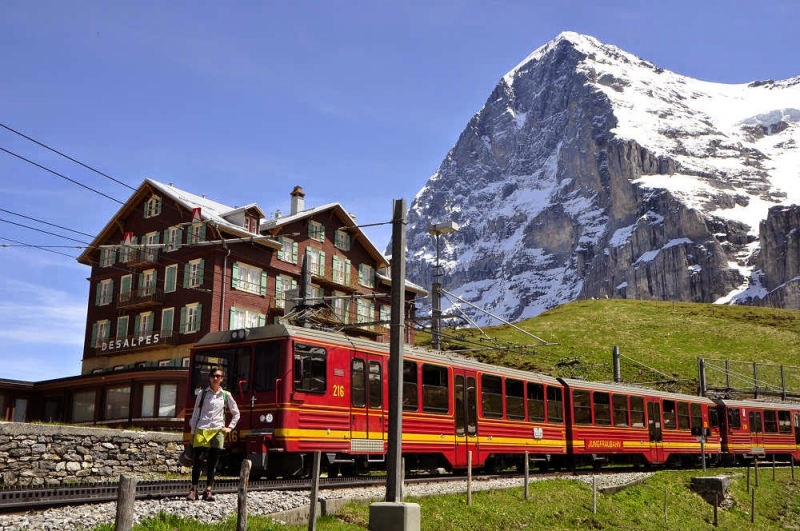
94,335
166,236
232,318
183,320
322,233
279,291
111,289
235,275
200,271
294,284
186,268
321,264
262,319
202,233
280,251
263,285
158,206
136,323
169,281
294,252
310,229
140,281
122,326
150,323
347,267
198,322
97,291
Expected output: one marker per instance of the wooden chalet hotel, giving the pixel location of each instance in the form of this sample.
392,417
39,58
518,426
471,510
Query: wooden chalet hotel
172,266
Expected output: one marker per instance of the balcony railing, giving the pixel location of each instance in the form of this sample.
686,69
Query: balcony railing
138,256
336,278
140,298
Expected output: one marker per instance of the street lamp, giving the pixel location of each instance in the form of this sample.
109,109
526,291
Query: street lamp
437,229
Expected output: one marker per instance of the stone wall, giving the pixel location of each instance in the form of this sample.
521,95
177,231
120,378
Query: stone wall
33,455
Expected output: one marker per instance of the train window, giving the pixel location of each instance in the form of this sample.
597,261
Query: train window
266,366
358,388
602,409
535,402
435,390
583,406
620,405
515,399
410,394
555,405
770,421
492,396
375,385
713,417
697,415
784,421
670,415
637,412
310,368
756,425
683,415
734,418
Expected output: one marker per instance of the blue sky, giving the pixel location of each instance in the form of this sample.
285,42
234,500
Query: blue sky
356,101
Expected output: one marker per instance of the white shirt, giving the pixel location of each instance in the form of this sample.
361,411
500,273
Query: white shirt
212,413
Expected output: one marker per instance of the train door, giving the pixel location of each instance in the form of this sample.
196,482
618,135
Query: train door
367,407
466,418
756,421
656,436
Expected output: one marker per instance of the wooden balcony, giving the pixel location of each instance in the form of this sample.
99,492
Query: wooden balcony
139,256
140,298
336,280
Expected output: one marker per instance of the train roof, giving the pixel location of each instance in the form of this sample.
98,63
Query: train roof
757,403
634,390
276,331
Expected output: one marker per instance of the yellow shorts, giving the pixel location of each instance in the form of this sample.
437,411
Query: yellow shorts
208,439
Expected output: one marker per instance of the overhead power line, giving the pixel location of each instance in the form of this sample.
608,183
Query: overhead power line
73,181
66,156
43,231
46,223
38,247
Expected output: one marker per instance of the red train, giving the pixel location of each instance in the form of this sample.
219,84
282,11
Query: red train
301,390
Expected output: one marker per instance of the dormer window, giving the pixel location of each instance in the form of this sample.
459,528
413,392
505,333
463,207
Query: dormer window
316,231
251,224
152,207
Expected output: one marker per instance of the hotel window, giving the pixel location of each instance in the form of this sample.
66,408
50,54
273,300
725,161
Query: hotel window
83,406
193,274
386,315
152,207
341,307
315,261
249,278
250,224
190,318
342,240
147,282
366,275
144,323
366,311
288,250
117,403
172,238
341,270
197,233
170,278
126,251
105,292
151,247
316,231
125,288
101,331
122,327
107,257
167,318
242,318
283,283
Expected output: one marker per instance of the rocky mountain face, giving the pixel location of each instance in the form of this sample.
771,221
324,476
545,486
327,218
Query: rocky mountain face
590,172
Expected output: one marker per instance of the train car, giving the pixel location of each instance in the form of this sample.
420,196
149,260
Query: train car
753,430
621,424
301,390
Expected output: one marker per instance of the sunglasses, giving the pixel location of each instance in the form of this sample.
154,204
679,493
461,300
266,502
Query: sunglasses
216,376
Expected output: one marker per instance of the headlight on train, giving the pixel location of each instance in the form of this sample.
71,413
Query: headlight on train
266,418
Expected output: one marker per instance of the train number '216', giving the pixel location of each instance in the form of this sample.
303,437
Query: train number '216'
338,391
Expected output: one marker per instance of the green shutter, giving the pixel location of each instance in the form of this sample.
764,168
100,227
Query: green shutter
321,264
294,252
279,291
280,251
94,335
186,275
263,285
262,319
183,320
111,289
230,319
199,320
200,277
151,323
322,233
347,267
169,282
97,290
310,229
136,324
235,275
167,318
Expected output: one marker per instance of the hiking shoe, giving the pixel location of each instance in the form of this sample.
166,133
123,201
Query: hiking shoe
192,496
207,496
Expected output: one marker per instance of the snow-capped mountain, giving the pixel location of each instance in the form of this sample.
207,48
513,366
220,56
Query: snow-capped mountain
590,172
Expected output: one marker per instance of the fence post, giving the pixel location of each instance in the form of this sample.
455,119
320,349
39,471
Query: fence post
665,505
126,496
244,478
469,478
312,511
527,472
594,494
753,506
716,504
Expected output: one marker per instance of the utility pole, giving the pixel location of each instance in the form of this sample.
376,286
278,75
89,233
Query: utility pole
445,227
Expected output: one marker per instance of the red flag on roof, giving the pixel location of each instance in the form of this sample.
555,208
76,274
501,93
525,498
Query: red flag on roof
196,216
128,239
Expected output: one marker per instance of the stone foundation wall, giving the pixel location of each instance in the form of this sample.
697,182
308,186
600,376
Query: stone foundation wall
33,455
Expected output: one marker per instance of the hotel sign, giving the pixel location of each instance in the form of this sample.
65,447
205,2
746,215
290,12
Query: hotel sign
131,342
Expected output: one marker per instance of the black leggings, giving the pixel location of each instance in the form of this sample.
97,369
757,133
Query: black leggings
197,467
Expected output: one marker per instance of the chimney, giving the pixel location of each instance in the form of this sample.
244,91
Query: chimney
298,200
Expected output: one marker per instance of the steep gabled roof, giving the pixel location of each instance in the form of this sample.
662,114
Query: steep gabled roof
209,210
